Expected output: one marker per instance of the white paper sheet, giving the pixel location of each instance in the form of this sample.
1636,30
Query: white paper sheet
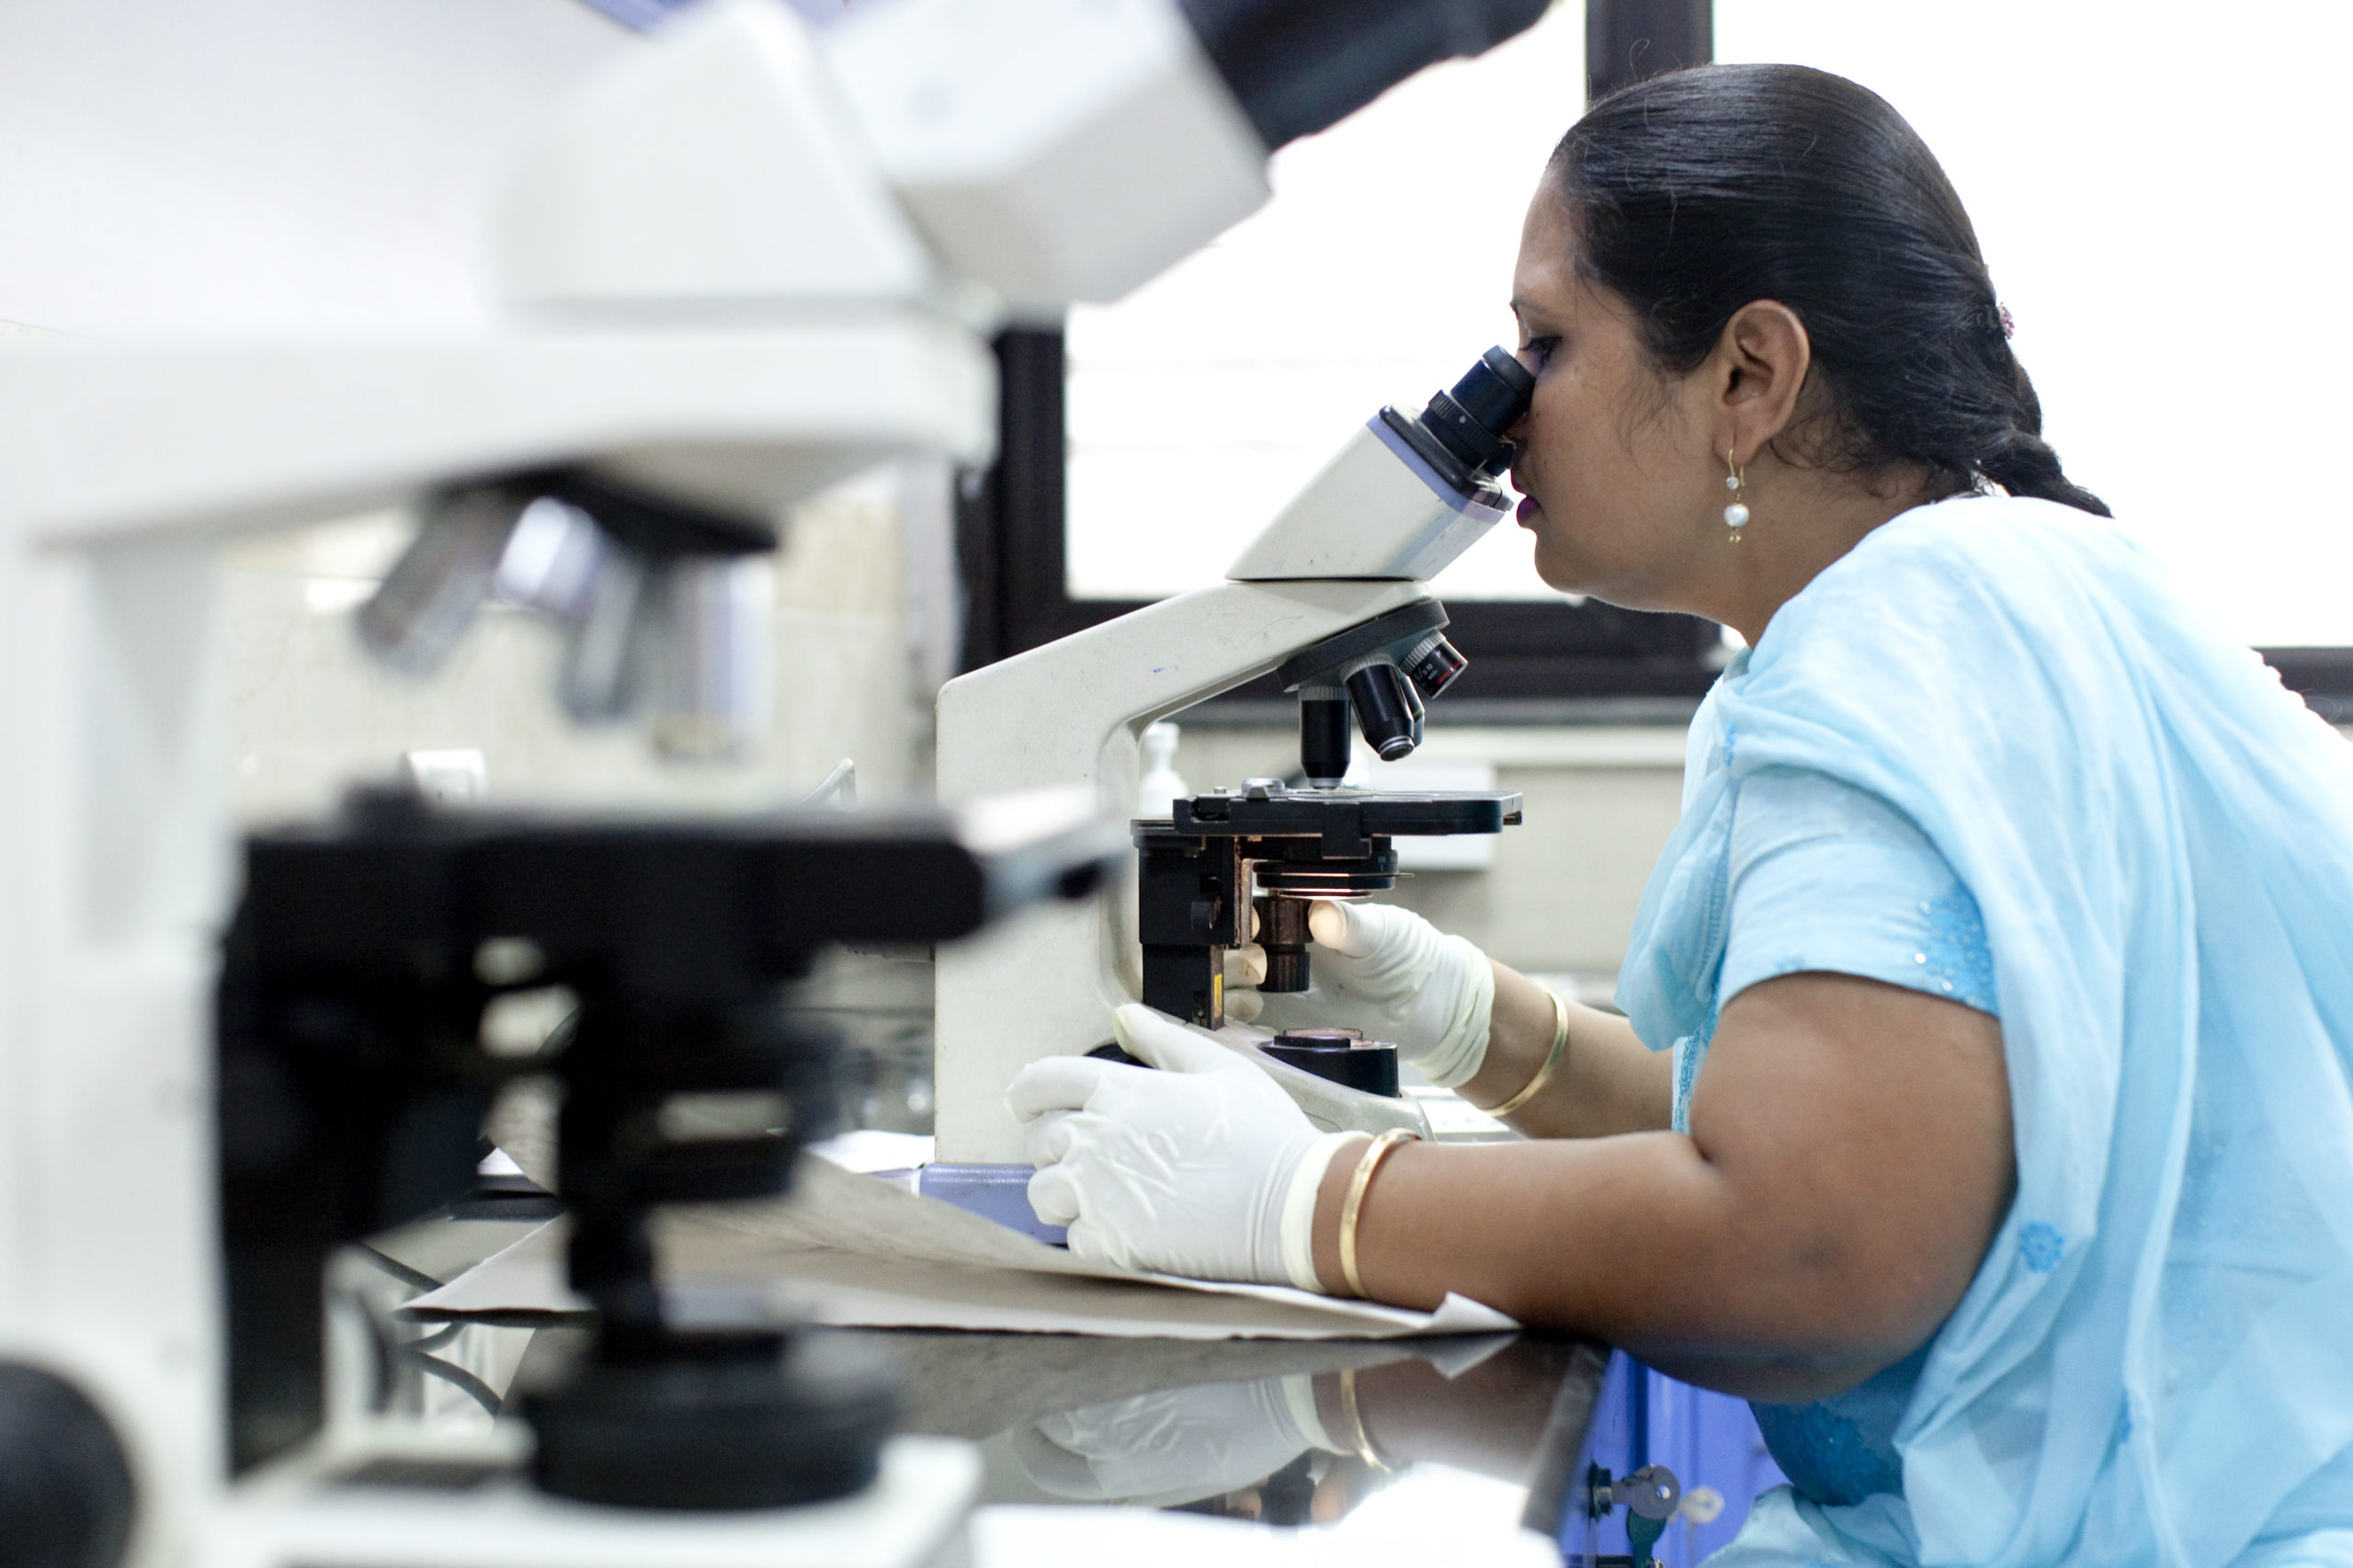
849,1250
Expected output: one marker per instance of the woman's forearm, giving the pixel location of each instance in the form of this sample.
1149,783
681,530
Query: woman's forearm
1636,1240
1608,1080
1848,1162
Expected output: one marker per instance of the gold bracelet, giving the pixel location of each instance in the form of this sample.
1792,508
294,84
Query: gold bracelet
1543,1073
1353,1205
1367,1450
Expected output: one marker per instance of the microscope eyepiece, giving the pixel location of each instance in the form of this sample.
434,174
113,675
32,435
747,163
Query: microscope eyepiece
1469,418
1495,390
1460,432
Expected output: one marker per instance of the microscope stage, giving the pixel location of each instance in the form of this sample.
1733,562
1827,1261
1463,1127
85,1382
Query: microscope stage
1261,813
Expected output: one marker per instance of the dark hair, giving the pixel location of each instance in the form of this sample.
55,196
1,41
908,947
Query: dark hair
1697,192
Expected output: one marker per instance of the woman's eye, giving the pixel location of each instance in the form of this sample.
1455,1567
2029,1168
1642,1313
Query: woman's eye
1540,349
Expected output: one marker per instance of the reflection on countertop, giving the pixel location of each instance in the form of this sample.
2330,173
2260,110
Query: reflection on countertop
1282,1432
1467,1436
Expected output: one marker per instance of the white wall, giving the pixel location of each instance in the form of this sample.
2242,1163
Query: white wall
2158,189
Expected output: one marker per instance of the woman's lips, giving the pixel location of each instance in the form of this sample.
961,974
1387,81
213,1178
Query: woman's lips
1527,508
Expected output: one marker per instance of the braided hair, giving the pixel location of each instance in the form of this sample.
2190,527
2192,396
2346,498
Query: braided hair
1697,192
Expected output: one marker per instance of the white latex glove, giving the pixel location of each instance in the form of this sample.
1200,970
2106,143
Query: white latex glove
1173,1446
1387,972
1204,1168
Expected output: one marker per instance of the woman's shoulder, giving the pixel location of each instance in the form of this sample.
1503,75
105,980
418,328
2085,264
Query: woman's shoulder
1923,599
1956,634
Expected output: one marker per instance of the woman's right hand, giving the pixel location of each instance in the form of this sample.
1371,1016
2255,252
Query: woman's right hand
1391,973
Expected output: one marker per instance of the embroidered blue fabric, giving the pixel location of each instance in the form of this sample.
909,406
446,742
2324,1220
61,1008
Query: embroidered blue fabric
1822,877
1843,1449
2152,1365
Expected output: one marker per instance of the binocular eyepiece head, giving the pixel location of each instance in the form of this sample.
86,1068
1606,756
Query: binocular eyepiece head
1375,678
1469,418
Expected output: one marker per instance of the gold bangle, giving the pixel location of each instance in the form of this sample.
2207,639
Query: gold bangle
1353,1205
1543,1073
1367,1450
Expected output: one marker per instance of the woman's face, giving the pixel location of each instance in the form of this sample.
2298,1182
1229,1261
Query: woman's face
1615,460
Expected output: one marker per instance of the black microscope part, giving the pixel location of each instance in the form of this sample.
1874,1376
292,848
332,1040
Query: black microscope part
1283,936
1199,868
1342,828
68,1499
1365,675
1433,666
1460,432
1395,633
1384,710
352,1082
1296,66
656,525
745,1420
1326,738
1339,1056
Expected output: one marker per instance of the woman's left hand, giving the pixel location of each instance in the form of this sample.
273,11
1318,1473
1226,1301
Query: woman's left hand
1186,1170
1170,1446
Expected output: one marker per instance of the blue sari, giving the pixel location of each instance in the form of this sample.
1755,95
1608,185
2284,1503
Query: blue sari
2155,1361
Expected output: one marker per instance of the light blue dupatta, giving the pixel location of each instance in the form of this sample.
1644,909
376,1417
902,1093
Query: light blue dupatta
2155,1358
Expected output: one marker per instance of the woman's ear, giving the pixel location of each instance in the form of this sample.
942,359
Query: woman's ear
1761,364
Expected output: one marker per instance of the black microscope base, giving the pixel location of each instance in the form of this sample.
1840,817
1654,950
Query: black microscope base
733,1422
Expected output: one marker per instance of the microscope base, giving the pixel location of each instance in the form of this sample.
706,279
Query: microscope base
1454,1119
444,1509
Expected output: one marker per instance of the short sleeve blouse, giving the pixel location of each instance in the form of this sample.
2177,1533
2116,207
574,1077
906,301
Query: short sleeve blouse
1824,877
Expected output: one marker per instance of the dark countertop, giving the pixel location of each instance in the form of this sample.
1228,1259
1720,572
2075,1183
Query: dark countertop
1479,1432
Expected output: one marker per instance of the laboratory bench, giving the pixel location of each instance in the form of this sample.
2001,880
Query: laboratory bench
1432,1437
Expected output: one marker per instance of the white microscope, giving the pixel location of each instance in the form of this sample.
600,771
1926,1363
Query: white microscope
751,261
1333,597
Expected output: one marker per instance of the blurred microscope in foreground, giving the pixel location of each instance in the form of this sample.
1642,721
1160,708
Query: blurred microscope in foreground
749,262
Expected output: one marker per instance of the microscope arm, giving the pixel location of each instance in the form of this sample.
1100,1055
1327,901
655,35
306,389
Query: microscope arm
1069,714
1402,497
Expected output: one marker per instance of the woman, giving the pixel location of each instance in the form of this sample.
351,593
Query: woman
1981,1102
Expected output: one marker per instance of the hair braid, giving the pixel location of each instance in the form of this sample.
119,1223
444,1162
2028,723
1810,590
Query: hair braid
2021,460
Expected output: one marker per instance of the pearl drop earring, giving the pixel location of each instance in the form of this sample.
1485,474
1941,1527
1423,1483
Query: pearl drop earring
1736,515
